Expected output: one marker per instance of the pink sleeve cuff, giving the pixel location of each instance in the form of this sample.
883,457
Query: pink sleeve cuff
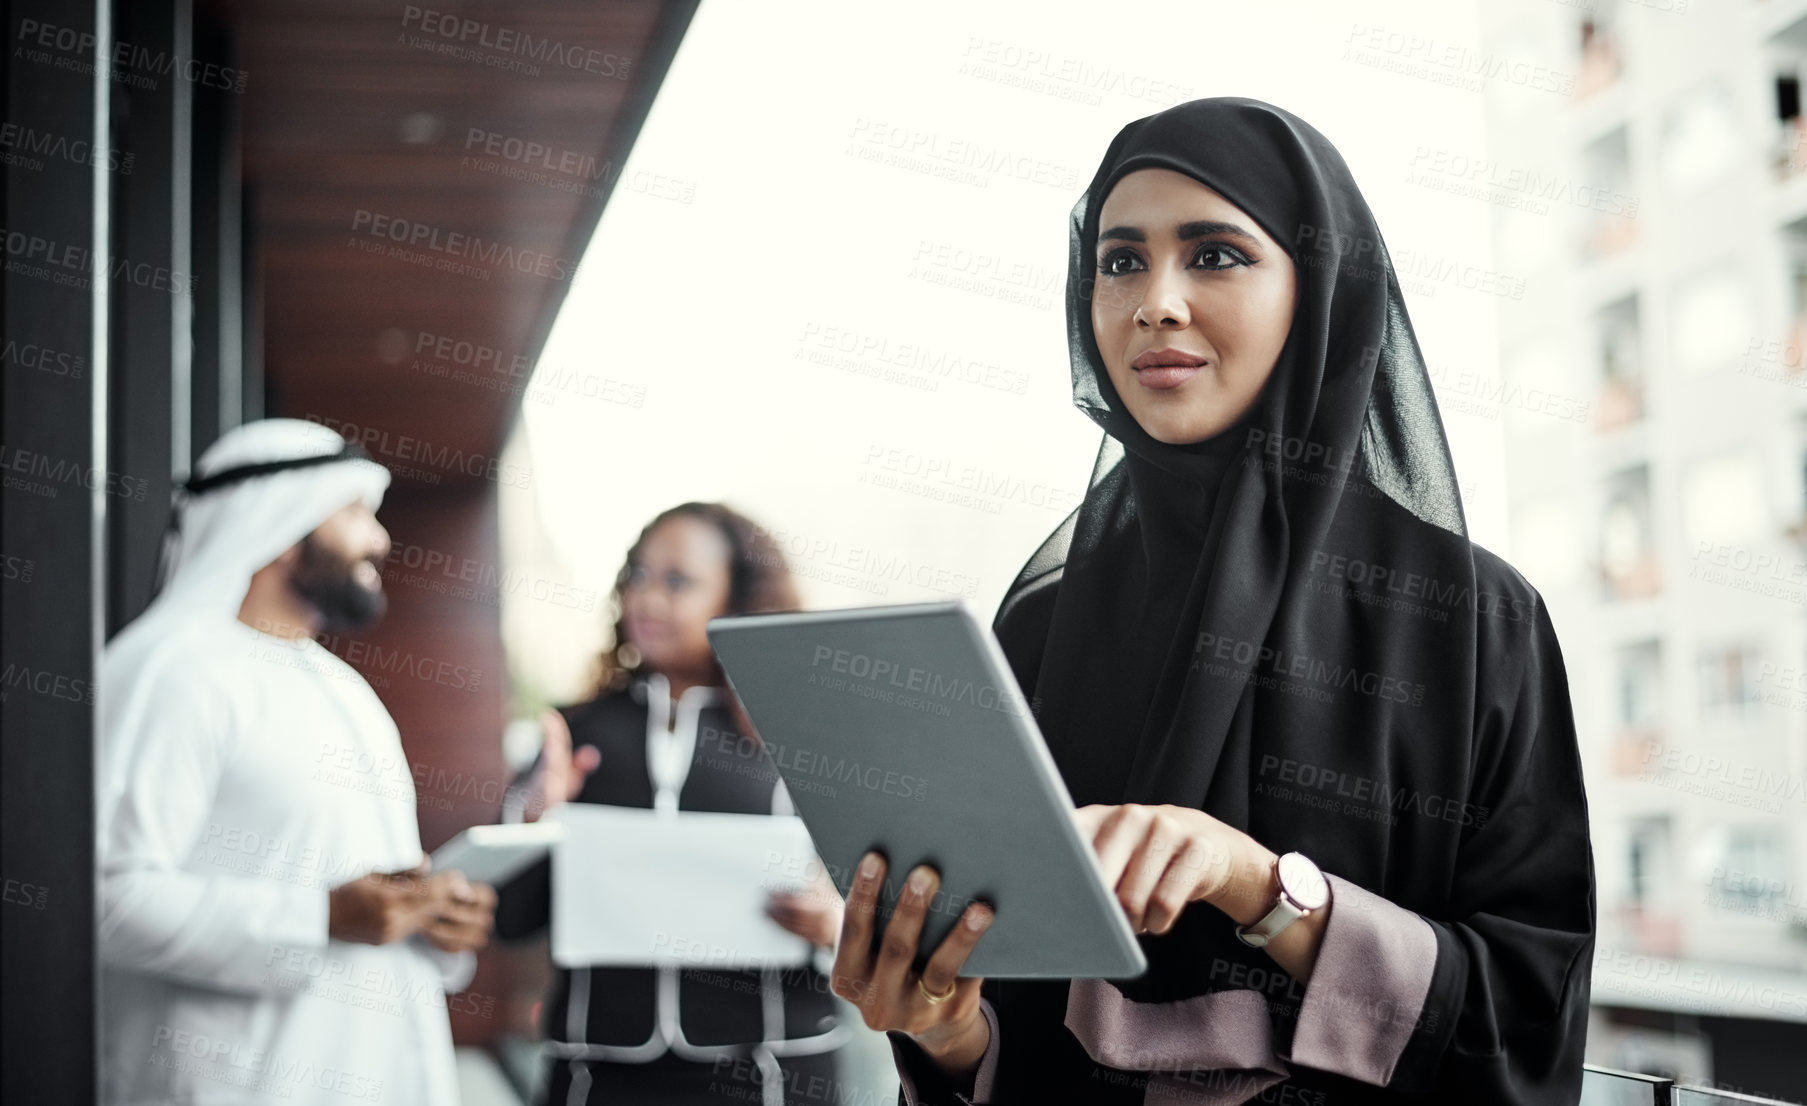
1367,988
1211,1050
983,1080
988,1064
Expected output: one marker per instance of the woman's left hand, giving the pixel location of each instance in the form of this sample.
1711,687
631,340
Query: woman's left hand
813,912
1159,858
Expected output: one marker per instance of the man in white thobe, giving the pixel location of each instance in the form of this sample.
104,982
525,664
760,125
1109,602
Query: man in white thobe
268,932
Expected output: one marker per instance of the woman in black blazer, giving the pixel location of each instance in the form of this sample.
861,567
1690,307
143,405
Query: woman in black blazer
663,731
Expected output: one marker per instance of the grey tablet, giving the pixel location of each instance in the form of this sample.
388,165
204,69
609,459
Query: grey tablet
902,729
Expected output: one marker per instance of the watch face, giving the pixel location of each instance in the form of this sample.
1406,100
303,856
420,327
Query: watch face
1302,881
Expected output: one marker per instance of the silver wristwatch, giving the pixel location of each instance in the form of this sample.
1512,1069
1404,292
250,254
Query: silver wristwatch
1303,889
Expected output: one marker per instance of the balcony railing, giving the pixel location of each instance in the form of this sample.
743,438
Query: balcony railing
1606,1087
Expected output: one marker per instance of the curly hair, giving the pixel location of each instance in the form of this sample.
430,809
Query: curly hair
759,580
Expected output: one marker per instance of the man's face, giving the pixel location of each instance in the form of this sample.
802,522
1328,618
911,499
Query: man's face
338,570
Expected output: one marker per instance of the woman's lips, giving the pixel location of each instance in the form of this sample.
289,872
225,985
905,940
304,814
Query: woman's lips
1164,377
1162,369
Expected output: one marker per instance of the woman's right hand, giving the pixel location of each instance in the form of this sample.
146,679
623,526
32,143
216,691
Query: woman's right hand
561,773
886,988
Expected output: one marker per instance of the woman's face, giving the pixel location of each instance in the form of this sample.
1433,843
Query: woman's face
1192,304
676,585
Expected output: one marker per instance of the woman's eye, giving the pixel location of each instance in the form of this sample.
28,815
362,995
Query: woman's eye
1213,255
1118,262
677,581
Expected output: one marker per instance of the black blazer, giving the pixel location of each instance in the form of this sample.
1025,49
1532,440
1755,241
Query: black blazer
729,773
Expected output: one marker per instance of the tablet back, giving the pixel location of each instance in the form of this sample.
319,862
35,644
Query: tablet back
901,728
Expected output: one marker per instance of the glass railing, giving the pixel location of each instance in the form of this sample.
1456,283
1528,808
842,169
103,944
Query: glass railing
1706,1096
1606,1087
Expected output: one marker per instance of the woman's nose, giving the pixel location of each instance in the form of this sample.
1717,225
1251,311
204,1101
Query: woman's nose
1163,304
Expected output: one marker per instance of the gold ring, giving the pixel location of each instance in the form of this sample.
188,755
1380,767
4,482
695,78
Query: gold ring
934,999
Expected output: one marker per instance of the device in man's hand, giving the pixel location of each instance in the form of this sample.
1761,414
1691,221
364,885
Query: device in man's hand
496,854
902,729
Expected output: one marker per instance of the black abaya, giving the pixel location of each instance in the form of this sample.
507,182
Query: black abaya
1288,628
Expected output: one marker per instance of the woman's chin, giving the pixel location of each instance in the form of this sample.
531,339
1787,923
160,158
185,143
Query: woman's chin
1183,431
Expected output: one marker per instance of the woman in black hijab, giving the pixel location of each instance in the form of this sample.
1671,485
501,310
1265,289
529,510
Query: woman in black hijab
1264,632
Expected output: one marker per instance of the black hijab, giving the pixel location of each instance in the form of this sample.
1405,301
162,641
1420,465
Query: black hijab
1207,538
1211,543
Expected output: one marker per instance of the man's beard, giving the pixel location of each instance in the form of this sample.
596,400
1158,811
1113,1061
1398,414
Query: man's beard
324,579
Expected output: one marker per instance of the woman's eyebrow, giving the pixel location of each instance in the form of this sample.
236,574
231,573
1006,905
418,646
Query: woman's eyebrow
1185,232
1204,228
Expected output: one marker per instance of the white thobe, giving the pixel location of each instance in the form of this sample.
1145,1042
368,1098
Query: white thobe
254,775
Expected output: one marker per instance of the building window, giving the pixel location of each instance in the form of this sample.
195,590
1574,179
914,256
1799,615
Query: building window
1638,706
1647,865
1628,563
1600,62
1728,684
1770,362
1752,874
1786,151
1611,224
1711,320
1621,368
1724,501
1700,138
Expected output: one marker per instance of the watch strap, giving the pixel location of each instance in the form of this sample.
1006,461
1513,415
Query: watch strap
1284,913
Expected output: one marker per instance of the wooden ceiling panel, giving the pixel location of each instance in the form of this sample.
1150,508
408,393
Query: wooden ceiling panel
345,112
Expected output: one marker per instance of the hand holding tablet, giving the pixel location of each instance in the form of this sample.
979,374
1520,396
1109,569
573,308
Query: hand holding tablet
937,1007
